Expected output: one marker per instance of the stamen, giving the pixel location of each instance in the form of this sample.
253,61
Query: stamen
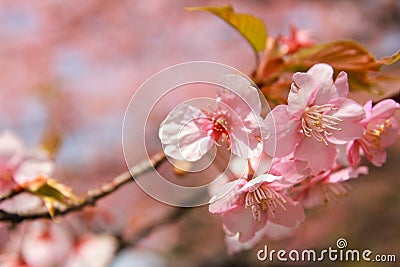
216,125
315,123
371,140
334,191
265,199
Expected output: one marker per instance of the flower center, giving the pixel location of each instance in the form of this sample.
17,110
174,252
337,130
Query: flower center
315,123
372,137
265,199
217,125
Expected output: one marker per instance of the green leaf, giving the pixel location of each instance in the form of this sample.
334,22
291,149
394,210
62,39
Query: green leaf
51,192
44,186
250,27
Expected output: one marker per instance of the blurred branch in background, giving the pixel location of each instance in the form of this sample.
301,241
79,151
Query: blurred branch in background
175,215
91,197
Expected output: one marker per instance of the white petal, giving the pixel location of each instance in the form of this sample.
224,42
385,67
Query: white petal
247,134
181,137
10,146
322,74
94,250
241,93
33,168
254,183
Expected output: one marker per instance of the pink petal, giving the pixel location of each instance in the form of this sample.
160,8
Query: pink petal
319,157
347,108
233,245
285,132
227,198
342,84
261,164
246,136
302,93
241,221
277,232
368,113
346,174
215,187
241,94
321,176
351,113
355,172
341,158
323,74
313,197
255,182
270,230
350,130
290,171
353,153
385,109
291,216
377,157
391,133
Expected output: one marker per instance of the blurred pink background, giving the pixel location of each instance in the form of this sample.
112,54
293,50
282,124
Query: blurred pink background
72,67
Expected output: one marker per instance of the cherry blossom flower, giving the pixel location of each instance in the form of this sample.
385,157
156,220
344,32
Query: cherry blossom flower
45,243
92,250
382,130
18,166
248,207
189,132
318,190
317,118
296,40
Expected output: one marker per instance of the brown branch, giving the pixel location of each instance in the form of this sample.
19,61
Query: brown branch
92,196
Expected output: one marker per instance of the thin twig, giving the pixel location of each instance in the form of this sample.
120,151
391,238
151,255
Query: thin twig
92,196
143,233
